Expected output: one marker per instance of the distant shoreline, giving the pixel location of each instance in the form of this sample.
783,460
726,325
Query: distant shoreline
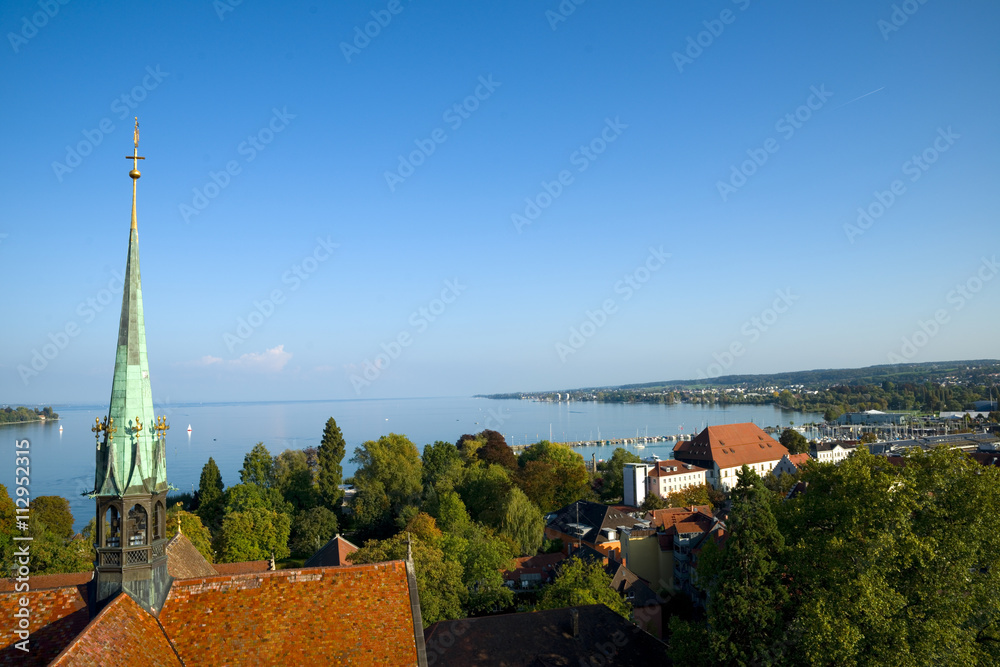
31,421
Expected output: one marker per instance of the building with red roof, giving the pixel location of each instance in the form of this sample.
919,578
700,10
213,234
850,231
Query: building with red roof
723,450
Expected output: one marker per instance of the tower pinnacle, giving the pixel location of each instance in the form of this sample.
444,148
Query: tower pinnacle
135,157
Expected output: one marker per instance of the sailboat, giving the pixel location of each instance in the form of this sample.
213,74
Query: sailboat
189,428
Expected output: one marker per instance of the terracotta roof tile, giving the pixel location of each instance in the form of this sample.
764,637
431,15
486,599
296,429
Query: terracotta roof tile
334,553
246,567
122,634
57,615
730,446
358,614
185,561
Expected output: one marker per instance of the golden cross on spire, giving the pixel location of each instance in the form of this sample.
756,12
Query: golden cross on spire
135,157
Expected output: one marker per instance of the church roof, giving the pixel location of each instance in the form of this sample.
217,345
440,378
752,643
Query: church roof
335,552
57,615
322,616
349,615
185,561
111,639
730,446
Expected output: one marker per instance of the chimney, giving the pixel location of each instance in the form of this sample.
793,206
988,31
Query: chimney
574,621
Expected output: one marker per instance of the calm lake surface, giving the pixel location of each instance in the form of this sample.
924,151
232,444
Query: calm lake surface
63,463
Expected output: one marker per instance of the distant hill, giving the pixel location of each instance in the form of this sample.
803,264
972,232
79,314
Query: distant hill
980,371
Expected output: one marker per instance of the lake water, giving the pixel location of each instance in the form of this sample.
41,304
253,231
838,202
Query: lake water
63,463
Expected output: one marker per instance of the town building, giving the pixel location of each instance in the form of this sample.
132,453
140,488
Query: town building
872,418
586,523
723,450
832,452
790,463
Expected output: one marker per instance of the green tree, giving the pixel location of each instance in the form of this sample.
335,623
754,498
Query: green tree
485,557
293,479
794,441
614,474
311,529
443,468
7,523
330,457
483,492
54,512
253,534
748,602
521,521
653,502
258,467
831,414
388,480
581,583
192,528
211,501
552,475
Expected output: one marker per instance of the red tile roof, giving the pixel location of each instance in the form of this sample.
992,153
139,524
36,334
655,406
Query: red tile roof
680,520
798,459
335,552
663,468
246,567
317,616
57,615
184,560
730,446
40,581
122,634
543,564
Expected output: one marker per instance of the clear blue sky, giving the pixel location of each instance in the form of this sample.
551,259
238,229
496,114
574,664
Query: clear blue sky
671,118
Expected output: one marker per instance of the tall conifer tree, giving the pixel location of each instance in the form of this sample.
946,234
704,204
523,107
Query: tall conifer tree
331,472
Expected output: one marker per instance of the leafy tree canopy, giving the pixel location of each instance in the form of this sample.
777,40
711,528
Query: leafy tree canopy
581,583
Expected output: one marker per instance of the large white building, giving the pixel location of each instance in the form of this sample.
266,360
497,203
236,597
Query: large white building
723,450
672,476
831,452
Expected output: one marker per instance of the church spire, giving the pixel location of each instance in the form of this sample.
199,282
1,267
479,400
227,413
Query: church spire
131,471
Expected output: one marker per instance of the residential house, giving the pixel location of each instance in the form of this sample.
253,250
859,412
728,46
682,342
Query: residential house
790,463
590,524
685,531
334,553
832,452
723,450
532,571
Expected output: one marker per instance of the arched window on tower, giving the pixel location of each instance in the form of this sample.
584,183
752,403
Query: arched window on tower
137,525
158,521
112,528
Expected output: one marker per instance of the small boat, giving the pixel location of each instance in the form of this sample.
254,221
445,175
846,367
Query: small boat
189,428
60,428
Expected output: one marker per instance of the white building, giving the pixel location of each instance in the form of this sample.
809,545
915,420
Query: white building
723,450
831,452
672,476
635,483
790,463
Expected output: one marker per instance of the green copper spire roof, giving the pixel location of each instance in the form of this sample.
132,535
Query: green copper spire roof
130,456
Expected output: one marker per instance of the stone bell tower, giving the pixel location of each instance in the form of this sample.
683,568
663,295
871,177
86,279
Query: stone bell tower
131,472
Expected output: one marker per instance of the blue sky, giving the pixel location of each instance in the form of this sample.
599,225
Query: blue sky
739,138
